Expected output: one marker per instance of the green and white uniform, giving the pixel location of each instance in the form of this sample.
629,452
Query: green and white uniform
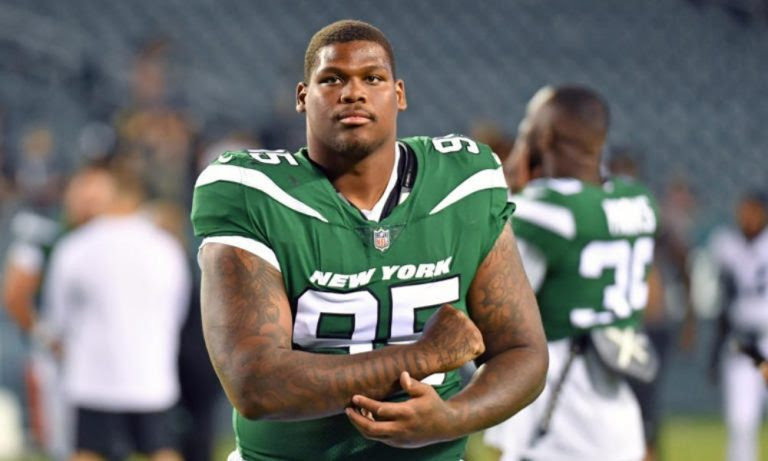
587,251
356,284
34,236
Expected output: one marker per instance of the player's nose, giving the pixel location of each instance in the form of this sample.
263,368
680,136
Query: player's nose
353,91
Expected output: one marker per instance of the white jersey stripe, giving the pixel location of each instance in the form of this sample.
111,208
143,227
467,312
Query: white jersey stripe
554,218
244,243
256,180
484,179
234,456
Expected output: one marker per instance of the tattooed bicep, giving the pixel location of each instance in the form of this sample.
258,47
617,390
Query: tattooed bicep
501,301
243,300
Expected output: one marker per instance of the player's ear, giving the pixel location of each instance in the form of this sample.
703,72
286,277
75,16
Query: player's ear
402,102
301,97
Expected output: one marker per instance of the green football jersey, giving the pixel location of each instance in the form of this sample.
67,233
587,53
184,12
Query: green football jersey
593,247
355,284
34,236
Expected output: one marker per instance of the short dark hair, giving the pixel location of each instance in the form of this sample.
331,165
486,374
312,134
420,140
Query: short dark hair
757,196
583,104
127,177
347,30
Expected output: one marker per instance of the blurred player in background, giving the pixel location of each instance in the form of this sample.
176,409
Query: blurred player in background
587,246
116,294
742,339
324,273
85,196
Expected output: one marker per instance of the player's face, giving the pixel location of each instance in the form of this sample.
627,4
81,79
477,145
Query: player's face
752,218
88,195
352,99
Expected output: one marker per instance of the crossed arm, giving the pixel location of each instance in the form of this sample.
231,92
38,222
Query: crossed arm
512,372
247,327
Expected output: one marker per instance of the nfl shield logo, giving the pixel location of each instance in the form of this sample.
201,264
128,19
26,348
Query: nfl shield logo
381,239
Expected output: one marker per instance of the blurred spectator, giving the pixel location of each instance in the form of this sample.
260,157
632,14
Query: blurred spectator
742,257
116,294
34,236
37,172
154,134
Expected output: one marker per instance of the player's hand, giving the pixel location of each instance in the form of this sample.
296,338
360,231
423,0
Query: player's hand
424,419
517,167
451,339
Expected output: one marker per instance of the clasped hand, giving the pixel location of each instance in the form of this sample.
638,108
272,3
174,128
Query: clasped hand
422,420
449,340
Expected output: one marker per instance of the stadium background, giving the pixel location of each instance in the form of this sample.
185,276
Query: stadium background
686,81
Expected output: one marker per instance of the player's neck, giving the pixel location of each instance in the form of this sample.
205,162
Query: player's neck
581,166
362,182
590,176
123,206
752,235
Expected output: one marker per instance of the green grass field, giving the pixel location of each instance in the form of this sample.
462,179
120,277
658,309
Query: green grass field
688,439
682,439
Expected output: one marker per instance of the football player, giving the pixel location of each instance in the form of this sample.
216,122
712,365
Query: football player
742,258
587,245
344,284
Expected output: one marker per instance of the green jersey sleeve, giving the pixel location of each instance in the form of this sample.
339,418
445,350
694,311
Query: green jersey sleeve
219,201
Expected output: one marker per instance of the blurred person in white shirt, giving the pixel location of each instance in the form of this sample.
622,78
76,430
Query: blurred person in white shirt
741,343
116,295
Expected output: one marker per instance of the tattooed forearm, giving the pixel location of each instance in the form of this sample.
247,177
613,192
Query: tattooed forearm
504,308
247,327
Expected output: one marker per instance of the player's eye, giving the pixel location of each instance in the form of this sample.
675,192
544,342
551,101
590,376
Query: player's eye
330,80
374,79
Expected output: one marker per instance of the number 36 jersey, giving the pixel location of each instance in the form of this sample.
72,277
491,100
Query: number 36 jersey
355,284
587,250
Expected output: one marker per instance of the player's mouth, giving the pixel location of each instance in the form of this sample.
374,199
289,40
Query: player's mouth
355,117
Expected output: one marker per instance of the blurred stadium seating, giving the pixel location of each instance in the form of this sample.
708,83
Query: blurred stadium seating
686,84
